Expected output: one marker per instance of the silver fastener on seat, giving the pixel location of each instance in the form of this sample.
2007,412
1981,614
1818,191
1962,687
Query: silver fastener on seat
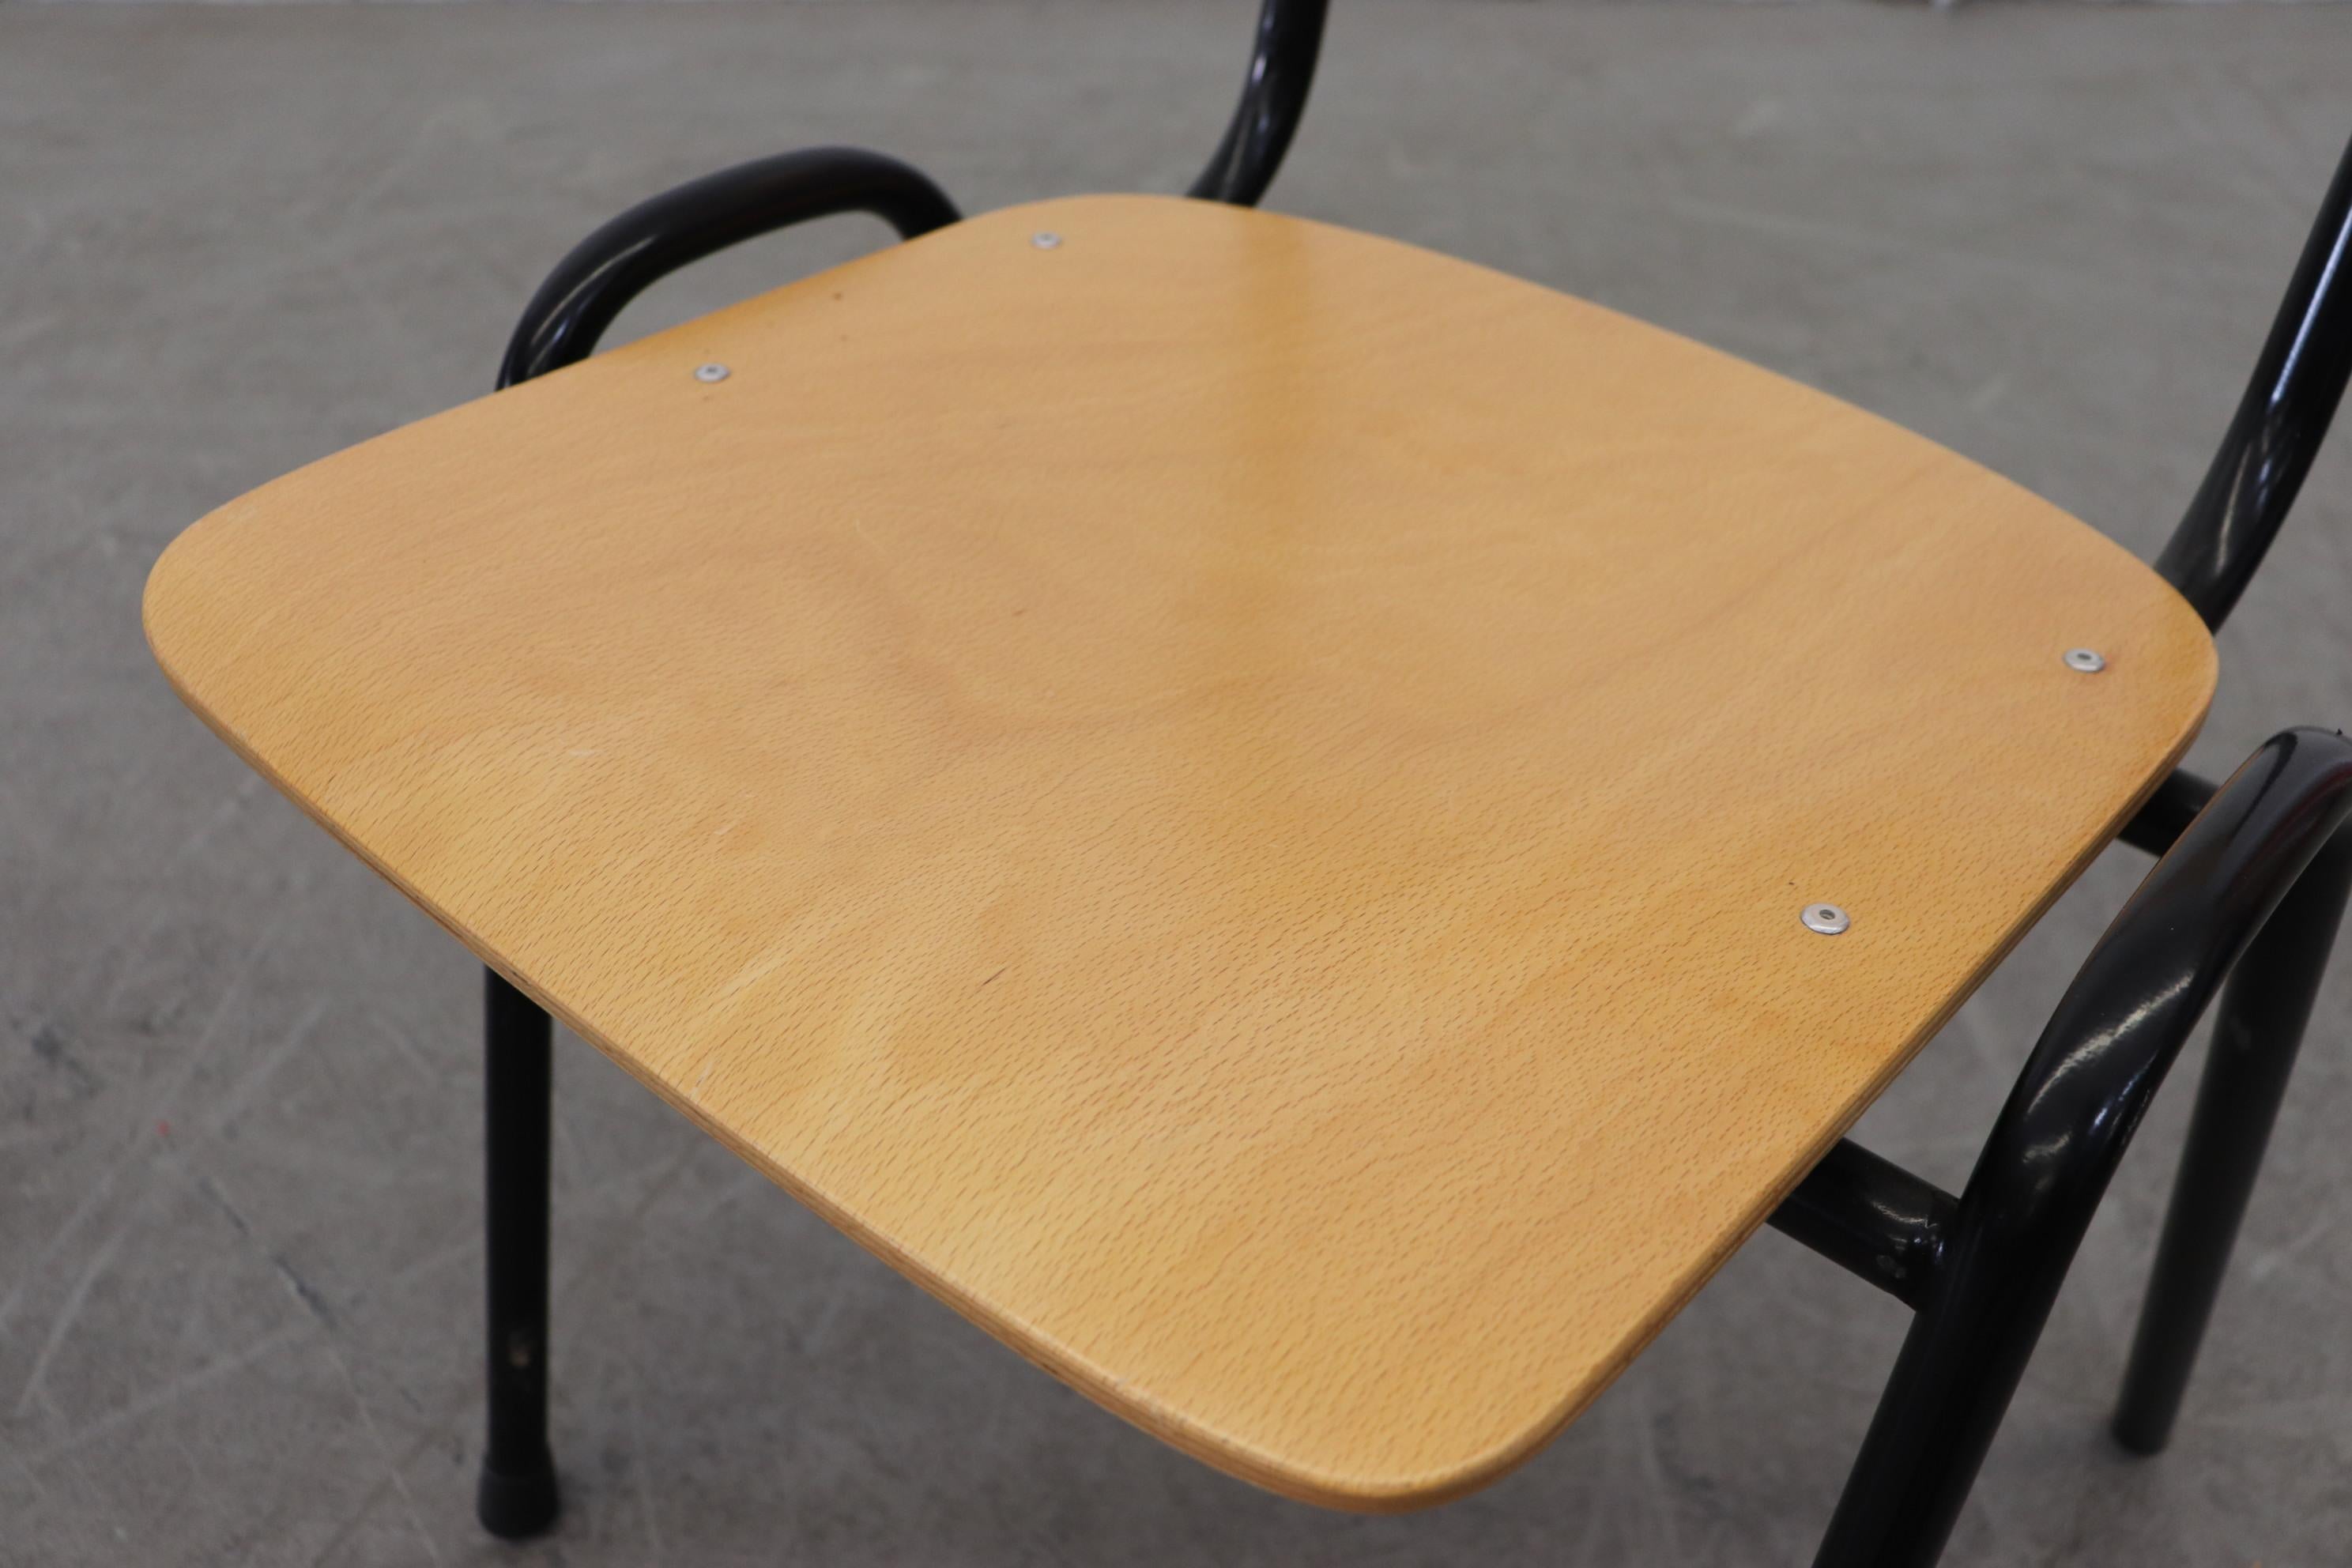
710,372
1045,239
2087,660
1827,919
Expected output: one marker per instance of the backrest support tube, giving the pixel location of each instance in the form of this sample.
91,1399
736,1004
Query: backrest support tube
2280,421
1282,67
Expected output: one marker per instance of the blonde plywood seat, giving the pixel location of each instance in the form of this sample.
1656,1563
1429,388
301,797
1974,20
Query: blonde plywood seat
1233,797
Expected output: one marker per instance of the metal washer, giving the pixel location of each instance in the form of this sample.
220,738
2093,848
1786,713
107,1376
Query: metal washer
1828,920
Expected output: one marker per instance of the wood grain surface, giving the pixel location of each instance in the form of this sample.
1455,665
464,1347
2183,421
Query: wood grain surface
1233,797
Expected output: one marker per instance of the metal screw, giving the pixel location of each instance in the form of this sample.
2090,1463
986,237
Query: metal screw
710,372
1045,240
2085,660
1827,919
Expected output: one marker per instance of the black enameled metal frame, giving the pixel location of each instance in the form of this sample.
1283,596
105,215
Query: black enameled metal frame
2244,900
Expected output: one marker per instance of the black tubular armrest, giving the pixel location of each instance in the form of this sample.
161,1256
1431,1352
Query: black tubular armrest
2269,850
2124,1020
2144,986
683,224
612,265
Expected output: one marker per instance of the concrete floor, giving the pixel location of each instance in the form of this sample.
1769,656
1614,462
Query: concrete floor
238,1203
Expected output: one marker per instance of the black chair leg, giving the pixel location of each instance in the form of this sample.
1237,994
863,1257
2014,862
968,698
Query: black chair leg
517,1496
2263,1010
1960,1364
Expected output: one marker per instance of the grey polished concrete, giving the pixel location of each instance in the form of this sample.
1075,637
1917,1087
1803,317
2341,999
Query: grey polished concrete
238,1244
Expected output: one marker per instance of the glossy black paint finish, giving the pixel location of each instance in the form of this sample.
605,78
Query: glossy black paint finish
2280,421
655,238
1871,1218
2065,1126
516,1495
2263,1010
1273,98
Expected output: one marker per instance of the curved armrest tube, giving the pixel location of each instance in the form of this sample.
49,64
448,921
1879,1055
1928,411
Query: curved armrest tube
655,238
2146,982
2066,1124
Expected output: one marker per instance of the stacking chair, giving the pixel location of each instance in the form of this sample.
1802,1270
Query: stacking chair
1310,834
